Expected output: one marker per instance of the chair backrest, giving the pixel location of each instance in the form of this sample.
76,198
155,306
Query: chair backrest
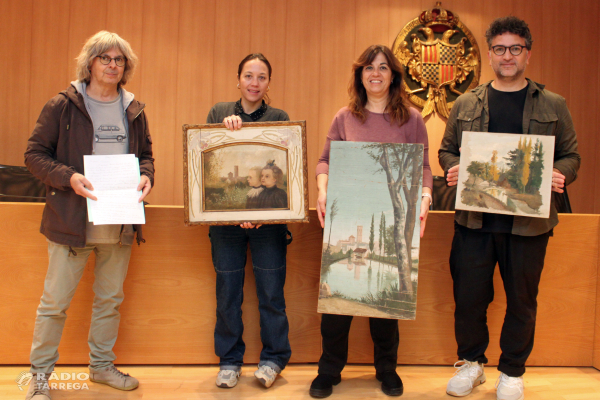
444,196
561,202
18,184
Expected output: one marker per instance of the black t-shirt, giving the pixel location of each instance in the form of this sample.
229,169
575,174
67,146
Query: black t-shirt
506,110
506,116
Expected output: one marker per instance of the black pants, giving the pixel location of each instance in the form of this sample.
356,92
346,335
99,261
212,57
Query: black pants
335,330
472,262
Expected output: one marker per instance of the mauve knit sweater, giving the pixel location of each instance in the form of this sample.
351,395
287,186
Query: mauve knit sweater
377,128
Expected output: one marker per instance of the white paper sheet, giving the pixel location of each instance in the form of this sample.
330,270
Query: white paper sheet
115,179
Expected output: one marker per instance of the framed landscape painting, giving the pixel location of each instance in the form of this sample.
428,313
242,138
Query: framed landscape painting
370,254
256,174
504,173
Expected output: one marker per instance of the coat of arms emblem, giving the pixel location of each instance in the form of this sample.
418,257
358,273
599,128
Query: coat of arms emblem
441,60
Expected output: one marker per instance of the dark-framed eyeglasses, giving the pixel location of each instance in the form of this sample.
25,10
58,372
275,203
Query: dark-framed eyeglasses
514,49
120,61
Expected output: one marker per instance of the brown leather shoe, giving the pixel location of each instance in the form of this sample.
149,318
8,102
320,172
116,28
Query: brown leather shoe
38,389
112,377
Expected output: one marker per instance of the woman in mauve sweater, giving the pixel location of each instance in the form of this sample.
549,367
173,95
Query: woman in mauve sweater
378,112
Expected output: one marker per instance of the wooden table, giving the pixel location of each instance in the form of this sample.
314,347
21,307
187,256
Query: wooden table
168,315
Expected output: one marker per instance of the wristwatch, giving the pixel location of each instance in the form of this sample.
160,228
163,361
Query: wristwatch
430,198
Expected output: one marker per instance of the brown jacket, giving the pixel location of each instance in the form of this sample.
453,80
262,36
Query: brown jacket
62,135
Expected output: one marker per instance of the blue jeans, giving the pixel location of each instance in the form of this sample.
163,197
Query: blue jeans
268,247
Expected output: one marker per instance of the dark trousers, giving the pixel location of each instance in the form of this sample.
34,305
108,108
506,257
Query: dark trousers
268,246
472,262
335,330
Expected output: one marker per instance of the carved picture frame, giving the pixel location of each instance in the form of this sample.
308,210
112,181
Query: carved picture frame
256,174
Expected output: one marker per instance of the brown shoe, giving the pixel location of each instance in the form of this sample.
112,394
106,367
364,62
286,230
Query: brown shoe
112,377
38,389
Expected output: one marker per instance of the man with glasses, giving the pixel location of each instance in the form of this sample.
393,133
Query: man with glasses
95,115
510,103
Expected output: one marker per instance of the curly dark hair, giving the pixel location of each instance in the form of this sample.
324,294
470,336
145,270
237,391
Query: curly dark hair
510,24
397,104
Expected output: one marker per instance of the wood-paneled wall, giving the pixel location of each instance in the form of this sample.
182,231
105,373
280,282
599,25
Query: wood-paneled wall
169,313
596,360
190,49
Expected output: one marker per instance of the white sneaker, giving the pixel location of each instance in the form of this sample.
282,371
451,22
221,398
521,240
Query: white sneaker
266,375
467,376
227,378
509,388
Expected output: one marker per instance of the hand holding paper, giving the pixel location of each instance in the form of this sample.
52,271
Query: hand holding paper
145,186
82,186
117,187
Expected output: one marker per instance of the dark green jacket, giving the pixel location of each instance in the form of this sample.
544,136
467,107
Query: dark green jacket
545,113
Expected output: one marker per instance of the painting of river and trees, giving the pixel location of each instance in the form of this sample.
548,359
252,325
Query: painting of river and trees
370,256
505,174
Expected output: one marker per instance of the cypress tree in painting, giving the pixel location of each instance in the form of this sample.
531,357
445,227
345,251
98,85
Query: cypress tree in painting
372,234
536,169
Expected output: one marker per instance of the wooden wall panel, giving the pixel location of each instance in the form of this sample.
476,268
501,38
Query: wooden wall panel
311,45
338,19
194,76
302,75
49,55
232,44
580,101
399,14
595,163
268,33
556,78
125,18
530,11
195,72
15,31
596,354
575,298
159,80
371,25
169,312
86,18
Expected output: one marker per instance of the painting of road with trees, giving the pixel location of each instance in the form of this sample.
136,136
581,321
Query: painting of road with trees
505,174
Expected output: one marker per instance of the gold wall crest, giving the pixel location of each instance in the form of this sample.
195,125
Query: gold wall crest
441,60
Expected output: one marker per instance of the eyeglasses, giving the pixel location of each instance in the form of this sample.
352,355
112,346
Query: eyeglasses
120,61
515,49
